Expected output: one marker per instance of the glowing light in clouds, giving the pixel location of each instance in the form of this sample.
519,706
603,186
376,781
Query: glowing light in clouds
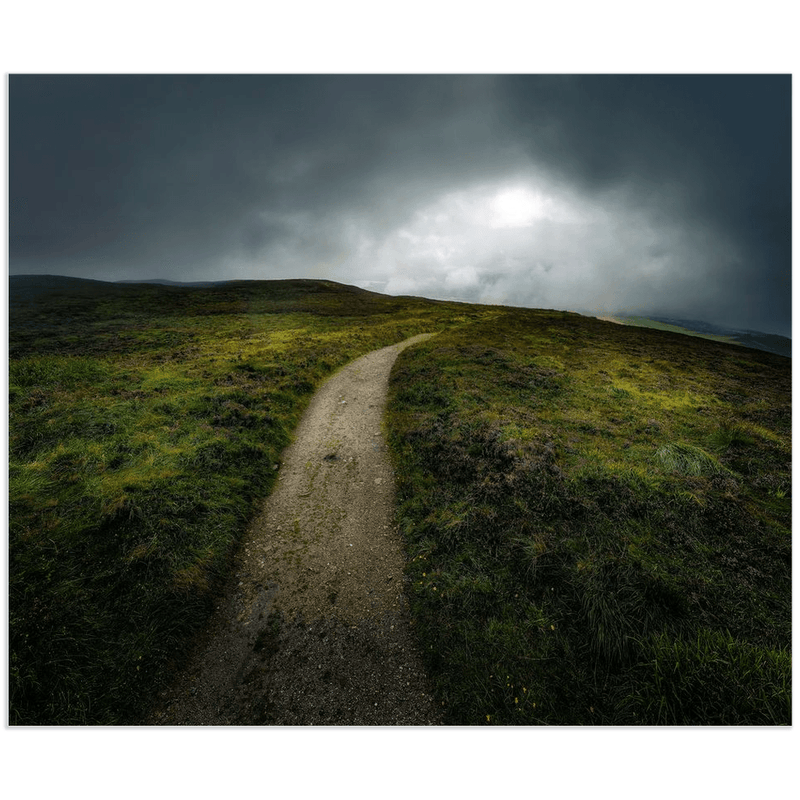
516,208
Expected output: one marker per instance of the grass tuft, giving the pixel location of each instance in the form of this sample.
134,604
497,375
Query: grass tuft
711,678
687,459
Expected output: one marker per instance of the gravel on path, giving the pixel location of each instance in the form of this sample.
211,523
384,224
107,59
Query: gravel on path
315,626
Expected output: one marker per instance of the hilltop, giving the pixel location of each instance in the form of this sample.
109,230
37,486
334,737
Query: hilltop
25,289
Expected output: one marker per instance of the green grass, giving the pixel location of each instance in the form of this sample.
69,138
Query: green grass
597,518
598,523
687,459
145,424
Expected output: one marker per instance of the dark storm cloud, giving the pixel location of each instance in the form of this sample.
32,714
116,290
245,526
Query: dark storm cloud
711,151
182,160
649,193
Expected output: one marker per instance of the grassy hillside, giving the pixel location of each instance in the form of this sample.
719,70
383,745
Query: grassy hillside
145,423
598,522
597,517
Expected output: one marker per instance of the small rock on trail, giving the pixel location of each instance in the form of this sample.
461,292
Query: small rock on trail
315,627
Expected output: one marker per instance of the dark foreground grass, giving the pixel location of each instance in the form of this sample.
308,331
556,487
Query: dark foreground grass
145,424
598,523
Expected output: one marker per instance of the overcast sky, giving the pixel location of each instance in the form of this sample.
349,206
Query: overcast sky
644,194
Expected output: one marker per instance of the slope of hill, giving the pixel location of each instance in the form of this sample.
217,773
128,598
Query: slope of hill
598,522
583,505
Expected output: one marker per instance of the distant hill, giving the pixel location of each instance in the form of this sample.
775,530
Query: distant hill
25,289
32,285
164,282
757,340
770,342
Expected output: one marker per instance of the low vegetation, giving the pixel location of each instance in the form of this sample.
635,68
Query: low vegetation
598,523
145,424
597,518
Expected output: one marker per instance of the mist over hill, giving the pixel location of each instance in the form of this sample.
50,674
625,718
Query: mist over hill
757,340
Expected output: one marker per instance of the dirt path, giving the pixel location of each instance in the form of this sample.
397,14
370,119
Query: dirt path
315,627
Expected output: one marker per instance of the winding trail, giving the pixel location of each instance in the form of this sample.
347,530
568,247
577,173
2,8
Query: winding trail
315,629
